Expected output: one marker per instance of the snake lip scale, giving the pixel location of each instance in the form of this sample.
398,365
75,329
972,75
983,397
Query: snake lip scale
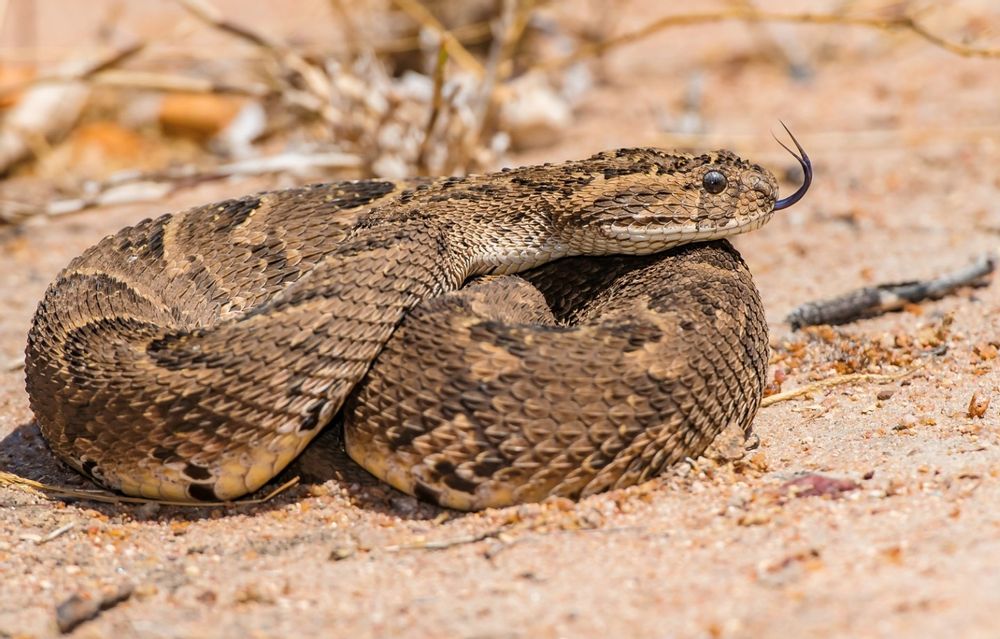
494,339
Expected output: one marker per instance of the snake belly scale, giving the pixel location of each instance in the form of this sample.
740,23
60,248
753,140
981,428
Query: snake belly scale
494,339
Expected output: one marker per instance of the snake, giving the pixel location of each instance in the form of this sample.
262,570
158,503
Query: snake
501,338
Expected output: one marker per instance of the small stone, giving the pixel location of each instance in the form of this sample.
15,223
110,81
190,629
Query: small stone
404,504
148,510
757,518
884,394
342,551
986,350
262,593
977,407
906,422
146,590
318,490
816,485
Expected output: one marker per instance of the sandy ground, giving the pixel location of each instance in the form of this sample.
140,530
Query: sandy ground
906,143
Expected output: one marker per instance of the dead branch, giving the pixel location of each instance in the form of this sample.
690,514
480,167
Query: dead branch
207,13
839,380
508,30
884,298
437,101
135,187
50,108
44,114
456,50
474,33
791,57
901,23
106,497
75,71
165,82
447,543
355,43
316,88
55,534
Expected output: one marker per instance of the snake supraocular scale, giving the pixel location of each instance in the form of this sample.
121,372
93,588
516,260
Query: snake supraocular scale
193,356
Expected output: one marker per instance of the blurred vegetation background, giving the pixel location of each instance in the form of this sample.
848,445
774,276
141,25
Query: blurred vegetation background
122,100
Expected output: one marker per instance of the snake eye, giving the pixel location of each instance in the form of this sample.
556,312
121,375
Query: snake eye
714,182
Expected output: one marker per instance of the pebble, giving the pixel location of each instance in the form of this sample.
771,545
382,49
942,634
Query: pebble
343,551
84,606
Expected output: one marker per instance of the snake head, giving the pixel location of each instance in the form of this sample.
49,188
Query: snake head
647,200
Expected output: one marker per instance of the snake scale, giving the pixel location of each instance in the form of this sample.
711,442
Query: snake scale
559,329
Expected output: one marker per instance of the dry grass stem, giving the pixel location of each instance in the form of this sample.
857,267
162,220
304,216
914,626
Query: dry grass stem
166,82
839,380
902,23
473,33
456,50
135,187
71,72
105,497
870,301
446,543
316,88
437,101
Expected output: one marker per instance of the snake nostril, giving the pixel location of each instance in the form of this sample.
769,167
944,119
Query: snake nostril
762,186
753,182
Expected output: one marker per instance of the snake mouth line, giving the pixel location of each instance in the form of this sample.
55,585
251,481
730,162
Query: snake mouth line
691,232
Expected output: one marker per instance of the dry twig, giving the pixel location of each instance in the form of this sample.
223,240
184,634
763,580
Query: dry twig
901,23
507,32
303,84
166,82
105,497
76,71
79,608
839,380
421,15
136,187
51,107
437,101
447,543
884,298
55,534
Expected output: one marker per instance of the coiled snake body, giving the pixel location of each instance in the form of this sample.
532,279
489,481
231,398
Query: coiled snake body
193,356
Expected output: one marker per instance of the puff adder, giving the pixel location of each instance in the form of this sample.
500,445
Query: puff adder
548,330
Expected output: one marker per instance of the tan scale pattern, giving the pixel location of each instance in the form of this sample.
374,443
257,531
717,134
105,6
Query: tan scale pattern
651,361
193,356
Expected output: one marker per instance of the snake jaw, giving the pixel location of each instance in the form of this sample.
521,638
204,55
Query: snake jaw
667,238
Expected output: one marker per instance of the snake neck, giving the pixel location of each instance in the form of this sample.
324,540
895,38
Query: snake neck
508,246
631,201
498,238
